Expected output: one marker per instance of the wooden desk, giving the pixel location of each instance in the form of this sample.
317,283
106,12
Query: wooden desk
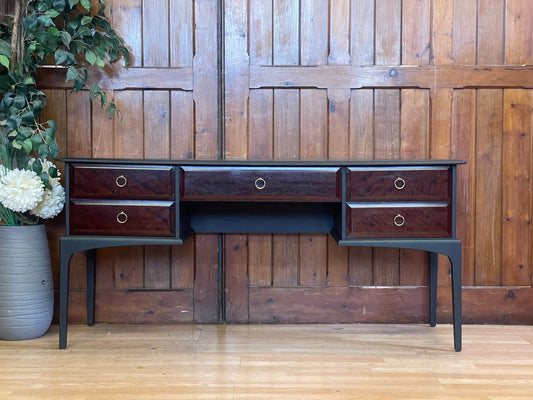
405,204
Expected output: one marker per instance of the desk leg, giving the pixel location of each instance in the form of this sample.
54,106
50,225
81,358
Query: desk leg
64,277
455,260
91,278
433,274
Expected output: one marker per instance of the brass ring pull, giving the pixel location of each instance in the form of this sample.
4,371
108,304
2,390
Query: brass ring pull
121,181
399,220
399,183
122,217
260,183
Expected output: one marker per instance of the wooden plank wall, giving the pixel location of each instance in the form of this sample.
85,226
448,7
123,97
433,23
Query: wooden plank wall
320,79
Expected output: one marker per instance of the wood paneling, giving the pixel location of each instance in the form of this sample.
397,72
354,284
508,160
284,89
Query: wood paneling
320,79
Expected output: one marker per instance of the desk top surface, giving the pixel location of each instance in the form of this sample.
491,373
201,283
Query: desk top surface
266,163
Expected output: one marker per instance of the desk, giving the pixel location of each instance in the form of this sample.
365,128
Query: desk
395,203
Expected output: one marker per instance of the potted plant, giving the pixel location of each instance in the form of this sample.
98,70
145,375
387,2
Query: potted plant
75,35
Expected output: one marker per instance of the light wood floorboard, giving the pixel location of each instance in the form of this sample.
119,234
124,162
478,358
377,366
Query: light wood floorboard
261,362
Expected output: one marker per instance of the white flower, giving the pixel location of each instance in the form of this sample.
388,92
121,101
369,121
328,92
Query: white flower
52,203
21,190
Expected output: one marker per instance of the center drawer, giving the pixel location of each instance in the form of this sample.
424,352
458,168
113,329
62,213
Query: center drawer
257,184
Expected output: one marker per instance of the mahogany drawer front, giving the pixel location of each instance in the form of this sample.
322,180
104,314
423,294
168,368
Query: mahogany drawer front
400,184
124,218
257,184
401,220
121,182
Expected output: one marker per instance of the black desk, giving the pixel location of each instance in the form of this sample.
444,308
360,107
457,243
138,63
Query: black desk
403,204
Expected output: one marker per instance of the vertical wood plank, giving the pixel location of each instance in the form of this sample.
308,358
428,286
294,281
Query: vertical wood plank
519,32
261,33
416,36
464,31
261,147
182,147
79,144
516,196
286,38
102,132
490,40
156,124
362,47
286,124
313,145
339,32
463,141
236,77
181,33
181,125
155,33
442,35
129,143
126,20
361,264
440,148
314,32
79,124
414,145
387,124
285,260
388,31
488,187
206,304
387,146
286,32
338,149
205,76
182,265
236,270
260,260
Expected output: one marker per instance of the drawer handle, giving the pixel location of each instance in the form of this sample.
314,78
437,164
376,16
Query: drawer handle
260,183
399,183
399,220
122,217
121,181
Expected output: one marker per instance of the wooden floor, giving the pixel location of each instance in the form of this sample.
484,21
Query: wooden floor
270,362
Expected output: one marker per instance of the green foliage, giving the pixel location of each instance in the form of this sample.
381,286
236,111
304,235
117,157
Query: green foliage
69,33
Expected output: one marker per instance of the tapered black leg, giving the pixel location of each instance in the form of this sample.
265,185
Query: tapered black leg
64,277
91,278
433,273
455,260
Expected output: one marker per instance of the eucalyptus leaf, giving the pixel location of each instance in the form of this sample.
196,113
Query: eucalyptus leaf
4,60
90,57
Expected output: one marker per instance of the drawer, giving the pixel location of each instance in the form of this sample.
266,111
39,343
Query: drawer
399,220
260,184
121,182
399,184
124,218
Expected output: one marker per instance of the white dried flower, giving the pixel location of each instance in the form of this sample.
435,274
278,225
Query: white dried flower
21,190
52,203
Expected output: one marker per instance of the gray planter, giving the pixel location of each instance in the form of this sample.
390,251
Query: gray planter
26,286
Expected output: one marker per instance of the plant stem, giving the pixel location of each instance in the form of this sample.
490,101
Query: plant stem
17,38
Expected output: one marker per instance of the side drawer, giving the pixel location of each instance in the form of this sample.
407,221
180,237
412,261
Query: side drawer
399,184
136,182
260,184
399,220
124,218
